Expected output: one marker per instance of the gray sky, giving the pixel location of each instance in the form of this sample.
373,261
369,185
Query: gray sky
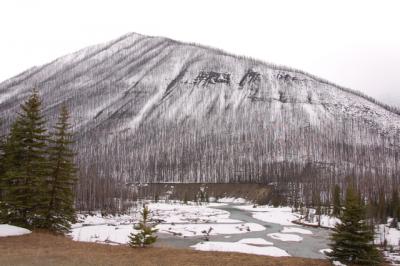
353,43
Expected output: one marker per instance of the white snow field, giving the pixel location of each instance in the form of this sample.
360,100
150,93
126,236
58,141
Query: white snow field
232,200
187,230
109,234
189,213
392,235
279,215
191,220
255,241
11,230
241,248
296,230
326,221
98,219
286,237
185,220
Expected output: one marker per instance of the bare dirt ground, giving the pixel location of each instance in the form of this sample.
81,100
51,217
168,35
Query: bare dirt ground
41,248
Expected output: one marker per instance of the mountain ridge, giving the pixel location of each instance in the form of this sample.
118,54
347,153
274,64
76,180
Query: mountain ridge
388,107
151,109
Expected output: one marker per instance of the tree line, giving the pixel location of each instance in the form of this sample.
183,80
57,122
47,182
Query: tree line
307,160
37,171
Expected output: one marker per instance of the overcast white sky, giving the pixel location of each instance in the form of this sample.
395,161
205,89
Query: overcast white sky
353,43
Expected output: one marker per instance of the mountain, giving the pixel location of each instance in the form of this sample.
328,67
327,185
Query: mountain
151,109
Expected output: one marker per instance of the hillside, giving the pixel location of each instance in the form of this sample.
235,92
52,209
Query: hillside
151,109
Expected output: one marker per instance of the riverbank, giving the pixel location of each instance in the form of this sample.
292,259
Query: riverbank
41,248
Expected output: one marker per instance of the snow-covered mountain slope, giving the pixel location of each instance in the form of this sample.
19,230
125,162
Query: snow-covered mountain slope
154,109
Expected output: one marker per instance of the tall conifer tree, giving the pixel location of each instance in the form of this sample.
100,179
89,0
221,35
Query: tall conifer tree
26,167
352,240
61,212
10,184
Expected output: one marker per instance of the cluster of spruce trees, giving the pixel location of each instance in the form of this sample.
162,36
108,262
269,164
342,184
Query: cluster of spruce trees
37,171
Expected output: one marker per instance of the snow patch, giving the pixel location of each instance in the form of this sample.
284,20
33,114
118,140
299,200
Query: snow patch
103,234
326,221
189,213
147,107
241,248
338,263
11,230
282,216
188,230
232,200
392,235
325,251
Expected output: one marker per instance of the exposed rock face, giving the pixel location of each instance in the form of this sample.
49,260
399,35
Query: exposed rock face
153,109
211,78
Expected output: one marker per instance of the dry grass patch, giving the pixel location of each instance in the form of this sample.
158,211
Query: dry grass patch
41,248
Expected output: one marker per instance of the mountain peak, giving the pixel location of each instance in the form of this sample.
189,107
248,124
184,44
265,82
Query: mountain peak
154,109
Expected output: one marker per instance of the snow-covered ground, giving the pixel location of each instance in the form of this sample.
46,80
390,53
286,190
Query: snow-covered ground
189,213
278,215
393,257
10,230
177,219
392,238
98,219
285,216
232,200
187,230
194,220
110,234
326,221
240,247
392,235
286,237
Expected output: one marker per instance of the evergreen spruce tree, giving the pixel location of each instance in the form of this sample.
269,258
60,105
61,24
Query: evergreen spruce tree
60,212
9,183
25,168
145,236
352,240
336,201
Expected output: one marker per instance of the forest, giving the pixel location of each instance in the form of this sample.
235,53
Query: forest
153,110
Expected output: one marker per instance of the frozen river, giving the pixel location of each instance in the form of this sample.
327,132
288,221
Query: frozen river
309,246
262,230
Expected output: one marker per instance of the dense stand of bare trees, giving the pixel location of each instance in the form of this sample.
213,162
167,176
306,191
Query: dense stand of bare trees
155,110
300,160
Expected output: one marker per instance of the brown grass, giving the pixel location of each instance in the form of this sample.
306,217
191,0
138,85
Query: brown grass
41,248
